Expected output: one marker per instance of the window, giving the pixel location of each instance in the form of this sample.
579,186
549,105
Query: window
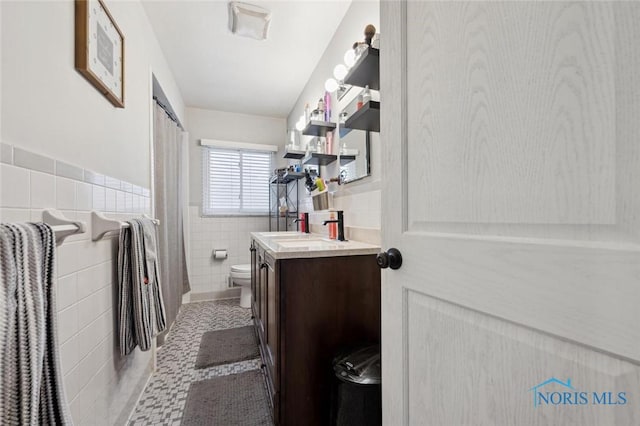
235,181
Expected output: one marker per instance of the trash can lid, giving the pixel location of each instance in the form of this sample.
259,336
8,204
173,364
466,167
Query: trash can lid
361,366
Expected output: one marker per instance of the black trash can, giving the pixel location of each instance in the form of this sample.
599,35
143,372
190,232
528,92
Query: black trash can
357,393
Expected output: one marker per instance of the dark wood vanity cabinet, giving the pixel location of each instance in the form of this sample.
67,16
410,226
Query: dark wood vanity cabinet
306,311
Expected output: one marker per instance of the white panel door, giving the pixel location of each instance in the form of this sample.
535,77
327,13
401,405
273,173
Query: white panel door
511,139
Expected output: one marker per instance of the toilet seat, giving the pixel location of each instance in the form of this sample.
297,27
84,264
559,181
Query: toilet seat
241,275
244,268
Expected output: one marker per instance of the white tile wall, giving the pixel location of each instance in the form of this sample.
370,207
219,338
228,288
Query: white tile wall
209,233
15,186
100,386
362,210
65,194
84,197
43,190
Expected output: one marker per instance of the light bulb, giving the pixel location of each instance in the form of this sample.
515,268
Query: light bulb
340,72
350,57
331,85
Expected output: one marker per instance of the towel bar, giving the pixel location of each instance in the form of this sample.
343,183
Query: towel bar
101,225
62,227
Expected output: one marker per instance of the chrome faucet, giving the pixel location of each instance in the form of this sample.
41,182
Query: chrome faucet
340,222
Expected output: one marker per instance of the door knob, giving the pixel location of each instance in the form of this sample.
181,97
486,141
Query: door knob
391,259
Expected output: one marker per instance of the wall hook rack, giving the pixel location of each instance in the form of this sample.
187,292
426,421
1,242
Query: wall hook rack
101,225
62,227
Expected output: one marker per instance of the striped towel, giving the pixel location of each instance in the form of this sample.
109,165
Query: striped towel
141,308
30,379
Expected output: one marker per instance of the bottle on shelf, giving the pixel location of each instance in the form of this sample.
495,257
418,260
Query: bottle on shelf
366,95
313,145
360,101
320,109
327,106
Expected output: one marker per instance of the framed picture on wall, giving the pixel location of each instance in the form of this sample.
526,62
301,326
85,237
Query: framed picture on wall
99,50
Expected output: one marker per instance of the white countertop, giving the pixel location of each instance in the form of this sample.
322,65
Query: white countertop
291,245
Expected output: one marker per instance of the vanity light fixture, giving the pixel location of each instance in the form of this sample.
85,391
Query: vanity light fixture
248,20
331,85
340,72
350,57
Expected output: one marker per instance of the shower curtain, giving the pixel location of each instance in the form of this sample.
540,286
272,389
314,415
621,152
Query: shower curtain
170,199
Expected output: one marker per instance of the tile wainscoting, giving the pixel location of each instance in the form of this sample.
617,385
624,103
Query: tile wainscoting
101,387
209,276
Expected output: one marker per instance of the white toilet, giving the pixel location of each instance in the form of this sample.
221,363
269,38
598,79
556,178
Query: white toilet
241,275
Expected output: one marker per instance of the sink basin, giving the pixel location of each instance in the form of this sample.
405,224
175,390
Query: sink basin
308,244
296,237
283,234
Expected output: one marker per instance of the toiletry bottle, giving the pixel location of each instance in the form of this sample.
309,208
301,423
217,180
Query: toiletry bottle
366,95
321,109
322,146
327,106
329,147
320,184
333,227
303,222
360,101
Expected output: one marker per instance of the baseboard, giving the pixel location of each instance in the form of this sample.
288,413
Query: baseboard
230,293
128,411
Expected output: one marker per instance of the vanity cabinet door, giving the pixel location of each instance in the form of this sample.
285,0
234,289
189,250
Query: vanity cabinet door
271,329
262,293
254,279
272,325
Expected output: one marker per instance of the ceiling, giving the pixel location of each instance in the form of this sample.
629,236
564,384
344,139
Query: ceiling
215,69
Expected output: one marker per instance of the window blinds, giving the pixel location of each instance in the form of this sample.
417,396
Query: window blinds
235,181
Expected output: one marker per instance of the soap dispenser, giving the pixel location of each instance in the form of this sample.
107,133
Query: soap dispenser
333,227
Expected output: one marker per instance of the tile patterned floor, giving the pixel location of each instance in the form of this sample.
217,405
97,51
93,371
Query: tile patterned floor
164,397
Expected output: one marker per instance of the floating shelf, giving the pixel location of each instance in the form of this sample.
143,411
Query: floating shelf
318,128
346,159
366,118
317,159
287,177
290,153
366,71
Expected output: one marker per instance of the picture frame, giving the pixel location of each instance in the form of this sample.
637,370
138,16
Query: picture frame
99,49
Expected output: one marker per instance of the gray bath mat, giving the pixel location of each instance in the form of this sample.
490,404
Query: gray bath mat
226,346
234,400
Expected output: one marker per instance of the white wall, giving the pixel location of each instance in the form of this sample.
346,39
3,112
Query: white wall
227,126
232,233
60,138
360,200
208,275
48,107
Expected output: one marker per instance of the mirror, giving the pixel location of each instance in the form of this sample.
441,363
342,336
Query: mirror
354,155
354,144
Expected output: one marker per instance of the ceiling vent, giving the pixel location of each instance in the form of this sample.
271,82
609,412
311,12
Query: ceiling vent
248,20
